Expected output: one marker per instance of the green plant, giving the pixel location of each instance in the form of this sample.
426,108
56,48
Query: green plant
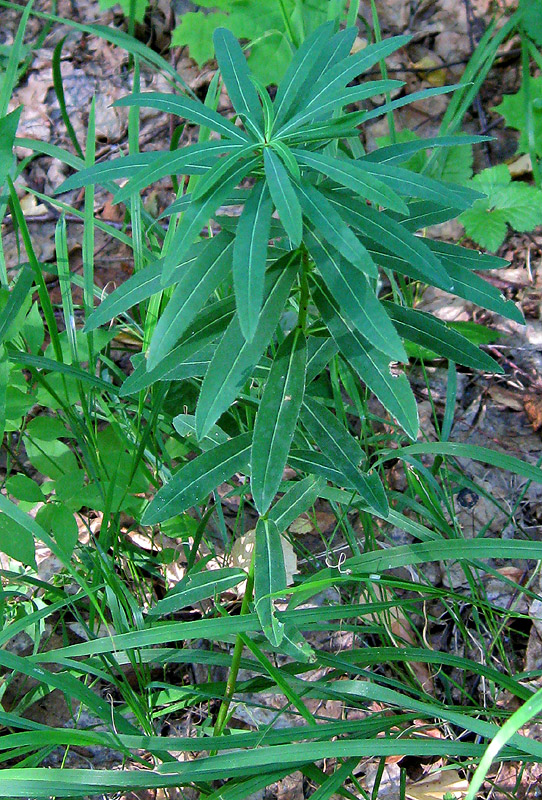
271,27
294,324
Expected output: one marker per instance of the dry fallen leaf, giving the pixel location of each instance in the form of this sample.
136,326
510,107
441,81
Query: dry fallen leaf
434,787
533,408
241,554
437,74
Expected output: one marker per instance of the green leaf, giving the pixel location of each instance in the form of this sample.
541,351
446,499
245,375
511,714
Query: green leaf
195,587
198,280
277,418
346,454
235,358
283,196
198,213
236,77
508,203
16,541
24,488
207,326
196,159
300,496
382,229
129,7
8,132
429,332
55,518
331,226
355,296
514,110
300,68
198,478
17,304
114,169
346,173
269,578
187,109
250,256
316,463
371,365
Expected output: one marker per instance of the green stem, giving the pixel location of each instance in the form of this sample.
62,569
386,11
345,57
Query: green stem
287,23
528,107
236,658
384,71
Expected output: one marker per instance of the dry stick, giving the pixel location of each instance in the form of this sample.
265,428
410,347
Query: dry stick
477,100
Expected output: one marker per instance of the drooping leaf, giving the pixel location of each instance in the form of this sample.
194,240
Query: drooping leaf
355,296
249,258
371,365
429,332
198,280
235,357
269,577
277,418
198,478
346,454
300,496
328,222
188,109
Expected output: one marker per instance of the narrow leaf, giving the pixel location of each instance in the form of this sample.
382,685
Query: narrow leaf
269,577
300,496
249,258
346,454
277,418
236,76
235,358
198,478
195,587
283,196
198,280
355,296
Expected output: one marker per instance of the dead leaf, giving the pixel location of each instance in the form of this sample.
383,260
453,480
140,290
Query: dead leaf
434,787
241,554
437,74
533,408
506,397
521,166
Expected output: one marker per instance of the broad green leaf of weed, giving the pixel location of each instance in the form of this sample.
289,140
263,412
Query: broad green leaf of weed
58,520
508,203
139,7
531,20
512,109
15,541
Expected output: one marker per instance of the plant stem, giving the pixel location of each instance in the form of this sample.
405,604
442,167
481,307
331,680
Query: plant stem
287,23
236,658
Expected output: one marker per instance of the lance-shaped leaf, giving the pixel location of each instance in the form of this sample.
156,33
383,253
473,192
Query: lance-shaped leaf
187,109
195,587
236,76
193,348
429,332
235,358
269,577
320,353
401,151
332,227
371,365
148,281
355,296
316,463
300,496
198,213
344,172
344,452
277,418
301,66
196,284
196,159
348,68
336,100
221,170
386,232
414,185
283,196
465,257
116,168
249,258
198,478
